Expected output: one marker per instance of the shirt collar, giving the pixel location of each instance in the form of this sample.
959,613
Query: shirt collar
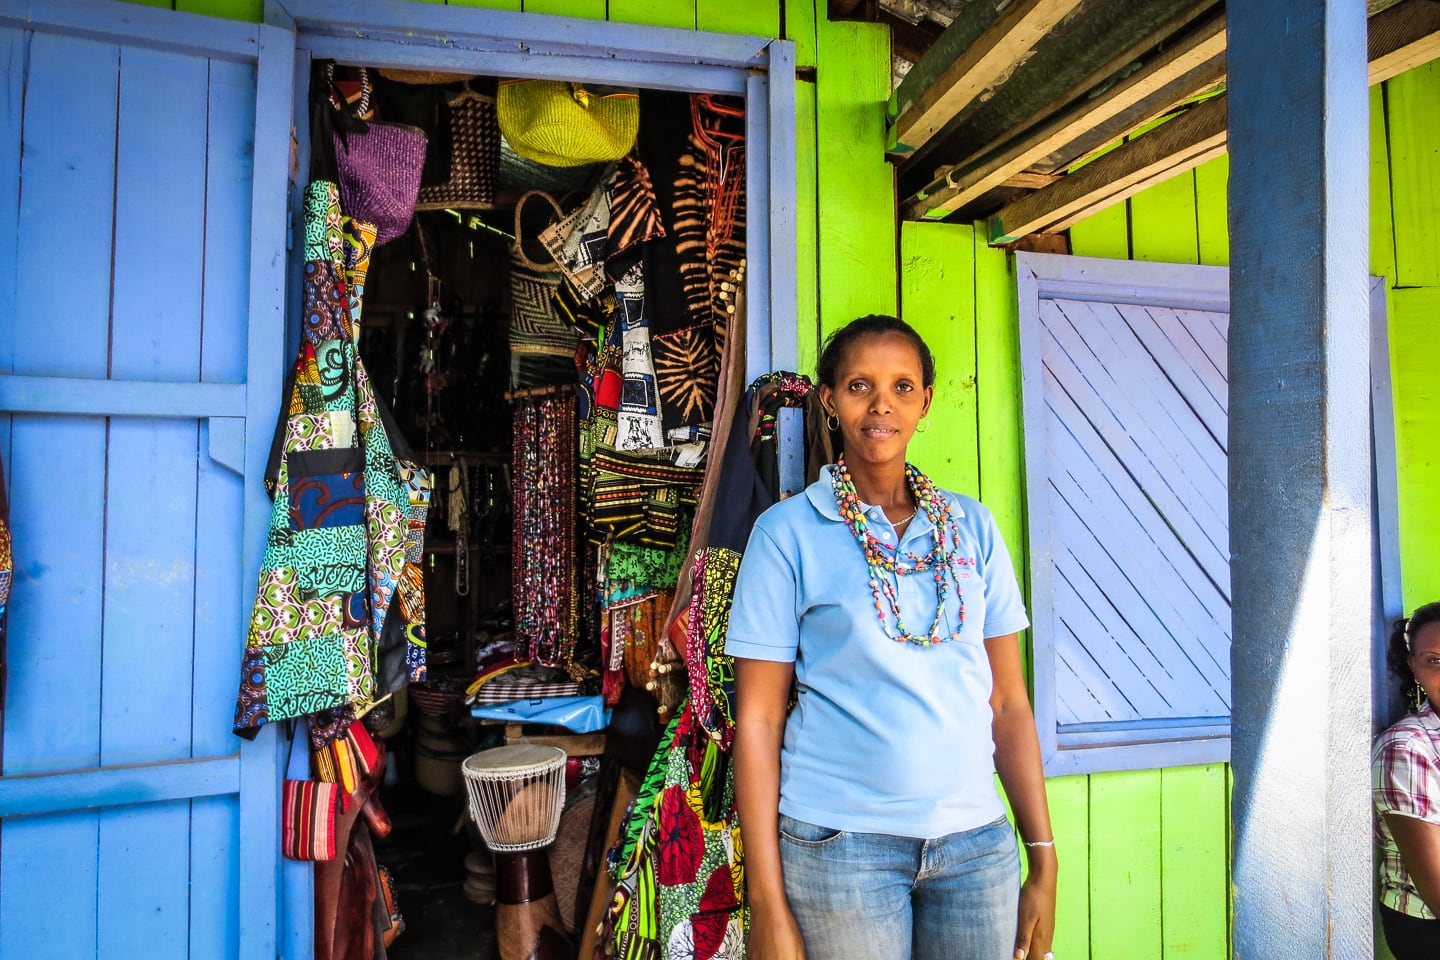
821,494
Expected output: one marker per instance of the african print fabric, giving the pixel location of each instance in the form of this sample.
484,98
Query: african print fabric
679,865
348,514
545,588
579,240
639,427
634,214
711,672
709,218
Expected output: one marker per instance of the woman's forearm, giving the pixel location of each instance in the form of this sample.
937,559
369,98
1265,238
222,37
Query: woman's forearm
762,692
1419,844
757,800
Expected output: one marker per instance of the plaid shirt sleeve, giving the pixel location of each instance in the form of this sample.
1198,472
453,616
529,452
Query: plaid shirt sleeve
1406,775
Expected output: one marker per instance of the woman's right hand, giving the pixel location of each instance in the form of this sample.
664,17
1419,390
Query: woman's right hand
774,935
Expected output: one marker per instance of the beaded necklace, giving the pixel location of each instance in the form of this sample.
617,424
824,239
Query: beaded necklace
887,564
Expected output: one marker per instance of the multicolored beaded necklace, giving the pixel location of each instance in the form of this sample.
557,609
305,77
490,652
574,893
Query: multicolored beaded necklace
887,564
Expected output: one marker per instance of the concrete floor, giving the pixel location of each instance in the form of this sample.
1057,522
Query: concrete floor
427,859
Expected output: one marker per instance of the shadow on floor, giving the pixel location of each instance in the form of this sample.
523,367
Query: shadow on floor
425,853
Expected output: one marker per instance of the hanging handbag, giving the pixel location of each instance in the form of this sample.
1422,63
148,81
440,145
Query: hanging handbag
474,157
567,124
307,816
542,345
377,165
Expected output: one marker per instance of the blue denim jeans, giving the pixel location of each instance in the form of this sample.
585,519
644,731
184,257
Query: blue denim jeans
878,897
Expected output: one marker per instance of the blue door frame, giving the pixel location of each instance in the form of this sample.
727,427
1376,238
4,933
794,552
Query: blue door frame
102,793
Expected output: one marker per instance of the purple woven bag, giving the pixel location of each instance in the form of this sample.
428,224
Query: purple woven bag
379,175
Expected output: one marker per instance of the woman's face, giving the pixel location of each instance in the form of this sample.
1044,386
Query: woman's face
879,396
1425,660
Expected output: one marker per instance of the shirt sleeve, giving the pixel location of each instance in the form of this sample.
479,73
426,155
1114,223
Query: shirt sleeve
1406,777
1004,604
764,622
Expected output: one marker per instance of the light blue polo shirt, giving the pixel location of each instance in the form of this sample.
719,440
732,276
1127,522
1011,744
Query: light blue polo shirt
887,737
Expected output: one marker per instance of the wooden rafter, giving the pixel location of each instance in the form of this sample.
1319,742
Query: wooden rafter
909,41
1197,61
978,49
1403,36
1175,146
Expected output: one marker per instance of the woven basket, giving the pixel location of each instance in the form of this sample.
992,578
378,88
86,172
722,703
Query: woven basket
436,701
474,156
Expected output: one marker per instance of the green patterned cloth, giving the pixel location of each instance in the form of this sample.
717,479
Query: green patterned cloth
679,867
348,516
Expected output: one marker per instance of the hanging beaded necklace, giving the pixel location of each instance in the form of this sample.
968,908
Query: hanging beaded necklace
887,564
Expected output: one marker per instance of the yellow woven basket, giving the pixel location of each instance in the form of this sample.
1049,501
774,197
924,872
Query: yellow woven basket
564,124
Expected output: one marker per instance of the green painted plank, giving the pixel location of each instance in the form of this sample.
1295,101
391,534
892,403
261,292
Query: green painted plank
799,25
1211,183
670,13
807,301
1382,222
248,11
1417,436
937,298
1104,234
1070,817
760,18
998,414
1192,858
1415,174
997,374
857,217
489,4
585,9
152,3
1162,222
1125,904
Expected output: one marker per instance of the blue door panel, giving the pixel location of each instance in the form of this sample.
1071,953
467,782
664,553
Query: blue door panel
214,878
159,251
35,920
141,355
149,608
54,635
67,195
143,882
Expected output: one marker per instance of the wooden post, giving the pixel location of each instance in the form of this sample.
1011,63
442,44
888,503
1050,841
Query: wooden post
1300,479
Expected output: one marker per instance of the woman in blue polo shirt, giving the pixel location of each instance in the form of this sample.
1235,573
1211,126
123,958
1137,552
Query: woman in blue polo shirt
871,822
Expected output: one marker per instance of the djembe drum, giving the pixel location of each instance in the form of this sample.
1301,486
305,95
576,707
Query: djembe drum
516,794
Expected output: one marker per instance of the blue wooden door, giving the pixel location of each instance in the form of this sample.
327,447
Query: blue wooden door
143,186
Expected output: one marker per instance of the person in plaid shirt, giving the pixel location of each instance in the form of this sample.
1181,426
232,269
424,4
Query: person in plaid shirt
1406,779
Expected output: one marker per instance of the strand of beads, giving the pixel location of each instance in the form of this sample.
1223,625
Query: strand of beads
885,569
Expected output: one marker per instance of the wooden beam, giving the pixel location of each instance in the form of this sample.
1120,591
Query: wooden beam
1204,81
1171,148
1198,56
909,41
1402,37
982,46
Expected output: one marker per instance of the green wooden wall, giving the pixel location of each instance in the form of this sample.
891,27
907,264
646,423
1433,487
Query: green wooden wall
1155,842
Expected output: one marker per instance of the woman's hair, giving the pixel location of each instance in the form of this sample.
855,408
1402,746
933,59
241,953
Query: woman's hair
1401,636
838,344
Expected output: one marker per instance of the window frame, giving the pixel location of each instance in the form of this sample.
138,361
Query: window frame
1147,743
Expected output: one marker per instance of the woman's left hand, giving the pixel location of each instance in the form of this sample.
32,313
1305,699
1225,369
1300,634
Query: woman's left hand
1035,933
